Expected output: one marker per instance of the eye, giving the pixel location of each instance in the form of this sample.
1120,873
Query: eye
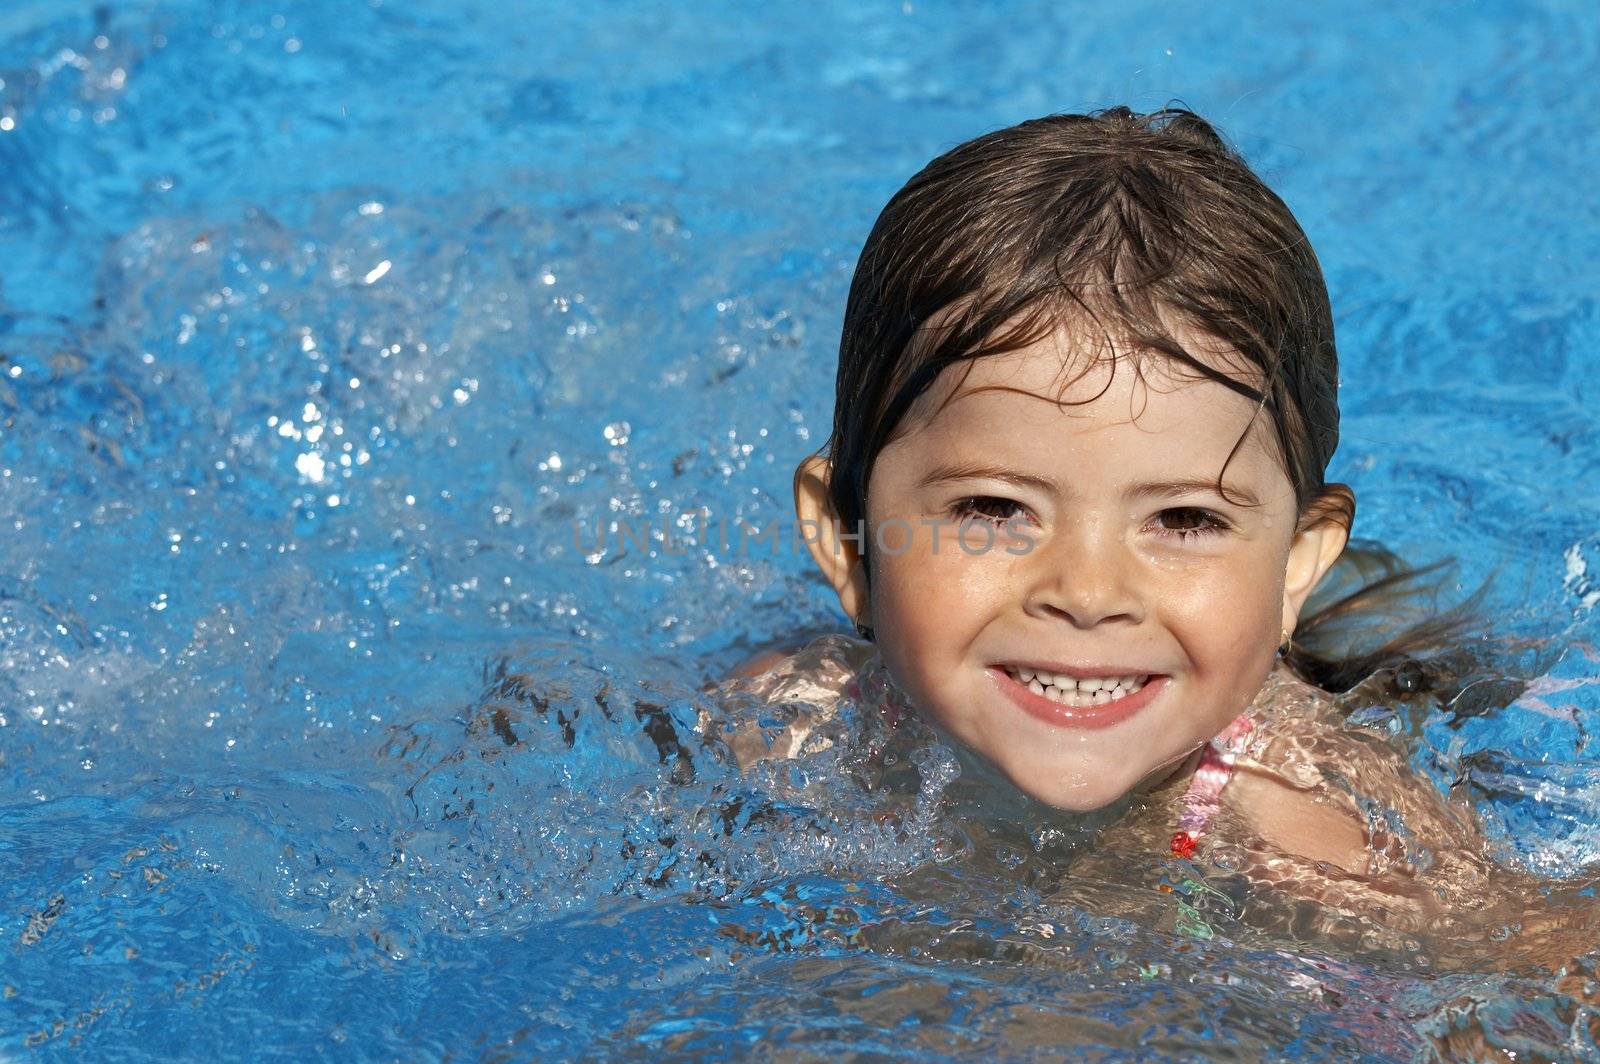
1194,523
989,508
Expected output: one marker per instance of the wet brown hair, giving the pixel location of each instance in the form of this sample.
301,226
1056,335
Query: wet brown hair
1126,222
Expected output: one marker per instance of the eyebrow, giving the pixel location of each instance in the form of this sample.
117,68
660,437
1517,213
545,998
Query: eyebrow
1150,489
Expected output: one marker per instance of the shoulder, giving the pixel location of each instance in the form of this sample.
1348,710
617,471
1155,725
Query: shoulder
1310,825
1316,786
772,704
1278,787
759,663
817,653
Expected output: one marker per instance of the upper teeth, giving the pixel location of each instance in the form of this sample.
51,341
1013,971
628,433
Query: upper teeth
1098,688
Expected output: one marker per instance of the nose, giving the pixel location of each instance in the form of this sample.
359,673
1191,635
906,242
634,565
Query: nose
1085,574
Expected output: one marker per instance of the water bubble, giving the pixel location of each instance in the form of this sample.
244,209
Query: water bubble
310,466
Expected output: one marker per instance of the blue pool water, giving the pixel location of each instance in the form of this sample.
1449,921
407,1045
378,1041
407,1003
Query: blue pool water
323,329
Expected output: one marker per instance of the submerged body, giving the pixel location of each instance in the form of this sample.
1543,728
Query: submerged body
1322,831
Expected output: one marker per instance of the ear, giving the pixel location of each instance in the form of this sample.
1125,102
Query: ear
1318,541
838,558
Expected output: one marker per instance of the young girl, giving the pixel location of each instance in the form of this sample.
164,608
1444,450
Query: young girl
1074,503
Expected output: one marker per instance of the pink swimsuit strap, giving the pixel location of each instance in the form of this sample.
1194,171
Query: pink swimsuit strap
1204,796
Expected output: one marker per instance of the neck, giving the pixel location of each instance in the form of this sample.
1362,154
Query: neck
1170,774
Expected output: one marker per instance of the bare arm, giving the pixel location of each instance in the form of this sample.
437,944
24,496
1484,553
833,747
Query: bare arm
1418,861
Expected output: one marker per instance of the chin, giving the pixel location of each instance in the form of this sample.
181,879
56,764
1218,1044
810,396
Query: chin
1071,799
1077,803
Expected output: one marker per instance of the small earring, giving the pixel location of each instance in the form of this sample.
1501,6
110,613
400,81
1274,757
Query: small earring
1286,645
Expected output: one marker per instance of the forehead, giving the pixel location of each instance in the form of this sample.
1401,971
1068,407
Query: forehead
1062,387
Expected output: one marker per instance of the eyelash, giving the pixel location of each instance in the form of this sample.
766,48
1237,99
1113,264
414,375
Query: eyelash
971,507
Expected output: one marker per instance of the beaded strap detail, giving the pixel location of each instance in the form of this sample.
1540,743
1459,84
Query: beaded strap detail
1202,799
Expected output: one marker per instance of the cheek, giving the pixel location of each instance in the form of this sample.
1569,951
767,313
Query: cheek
1228,614
939,589
928,606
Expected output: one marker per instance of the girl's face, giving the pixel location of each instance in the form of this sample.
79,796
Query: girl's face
1136,565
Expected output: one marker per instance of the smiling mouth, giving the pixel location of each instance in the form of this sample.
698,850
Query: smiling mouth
1068,702
1079,694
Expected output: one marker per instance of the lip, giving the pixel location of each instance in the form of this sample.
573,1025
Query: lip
1089,717
1101,673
